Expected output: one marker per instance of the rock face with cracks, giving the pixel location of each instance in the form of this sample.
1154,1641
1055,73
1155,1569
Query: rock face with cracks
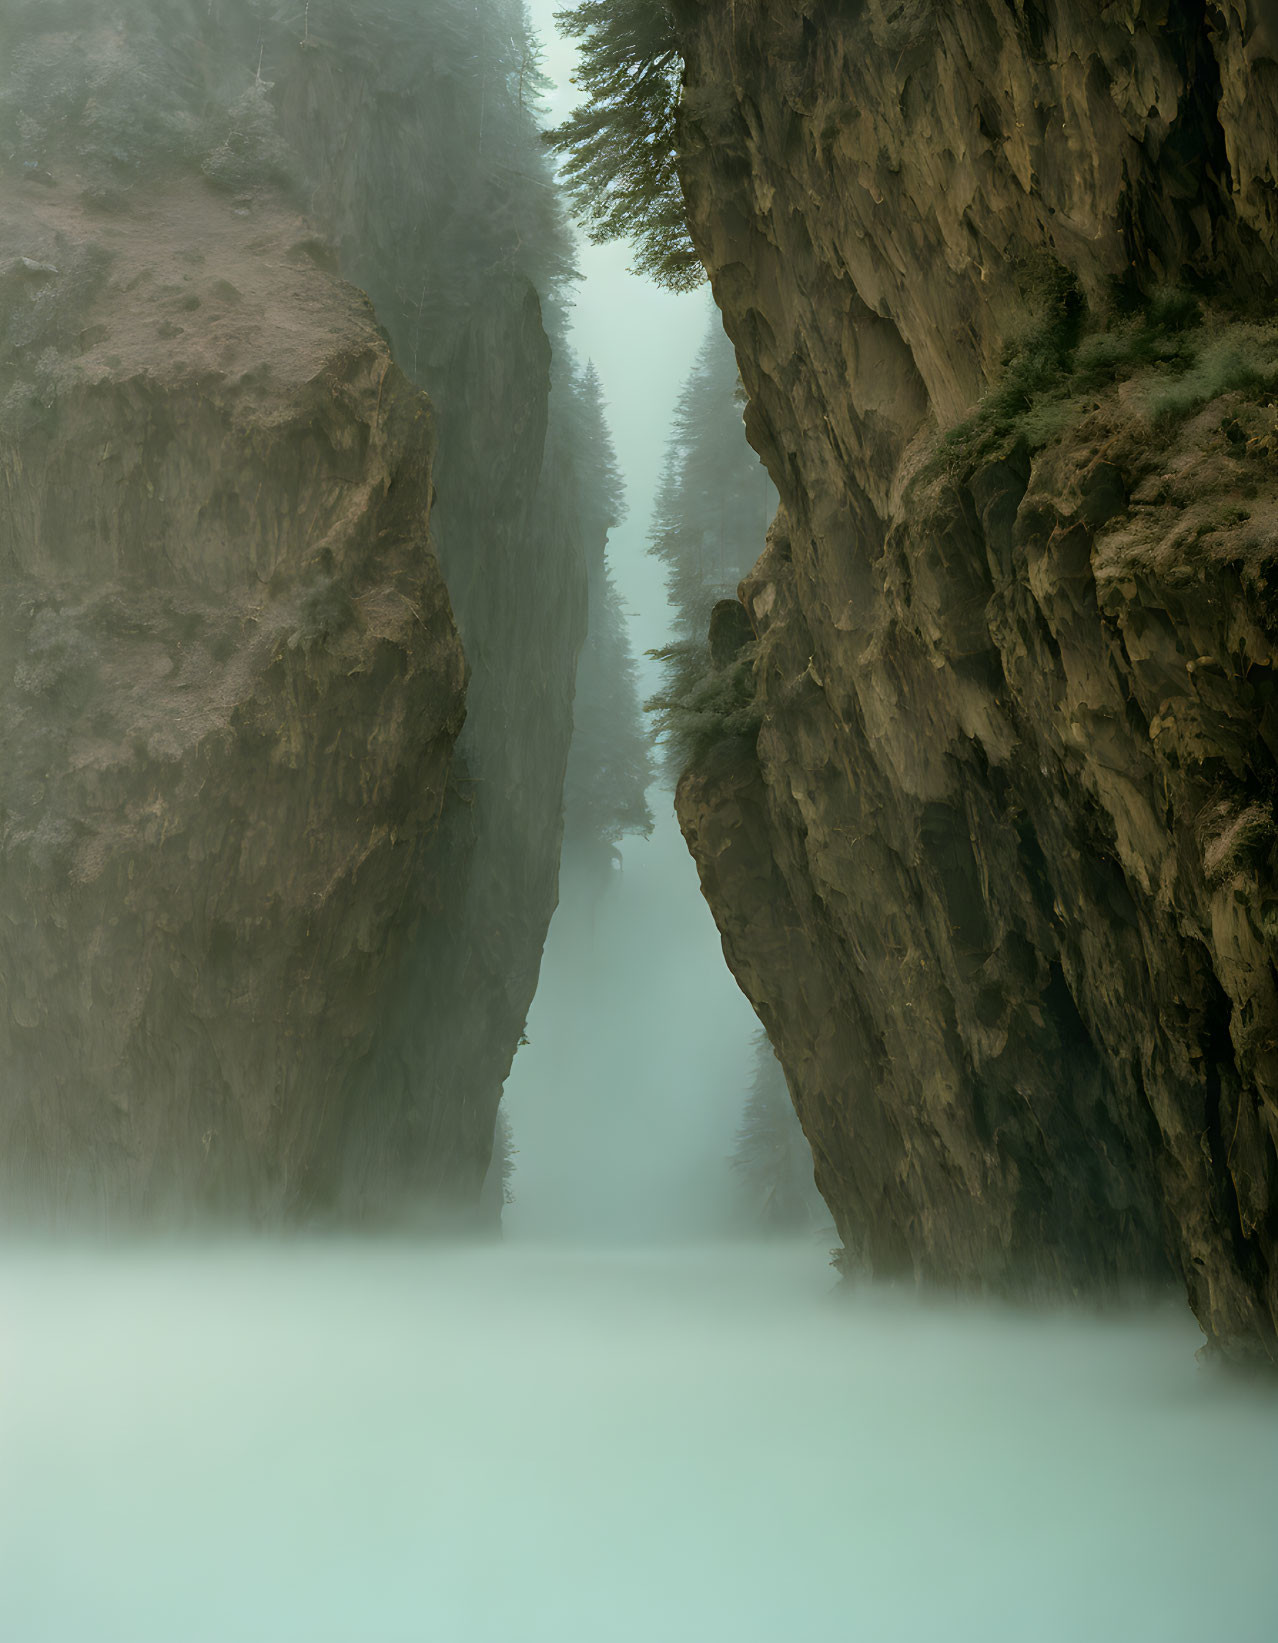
338,903
997,873
231,684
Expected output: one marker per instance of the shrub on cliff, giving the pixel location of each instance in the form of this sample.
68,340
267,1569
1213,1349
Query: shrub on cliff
702,703
1051,372
1223,365
250,152
618,147
1036,362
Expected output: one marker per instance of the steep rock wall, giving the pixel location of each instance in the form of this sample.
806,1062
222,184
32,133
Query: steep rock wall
998,873
232,684
393,144
510,542
379,132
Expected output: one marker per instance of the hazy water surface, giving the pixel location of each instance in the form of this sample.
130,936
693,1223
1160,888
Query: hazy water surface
383,1444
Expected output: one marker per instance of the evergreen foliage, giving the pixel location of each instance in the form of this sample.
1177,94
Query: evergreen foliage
504,1154
713,510
602,491
618,147
610,763
772,1153
715,501
700,704
1052,371
139,104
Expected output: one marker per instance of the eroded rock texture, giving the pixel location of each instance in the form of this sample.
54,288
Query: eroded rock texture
231,684
998,875
330,1040
466,323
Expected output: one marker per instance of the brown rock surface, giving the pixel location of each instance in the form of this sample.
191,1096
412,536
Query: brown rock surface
998,876
231,686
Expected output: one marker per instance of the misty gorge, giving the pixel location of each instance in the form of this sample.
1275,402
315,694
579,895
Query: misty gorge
638,761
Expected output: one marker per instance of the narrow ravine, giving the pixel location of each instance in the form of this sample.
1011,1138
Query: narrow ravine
626,1098
659,1402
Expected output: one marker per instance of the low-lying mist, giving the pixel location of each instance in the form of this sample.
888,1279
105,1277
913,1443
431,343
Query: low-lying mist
324,1443
625,1103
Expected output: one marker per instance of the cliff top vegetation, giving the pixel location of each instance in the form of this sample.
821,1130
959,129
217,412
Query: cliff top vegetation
618,147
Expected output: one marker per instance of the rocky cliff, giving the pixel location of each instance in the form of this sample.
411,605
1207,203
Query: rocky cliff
432,186
270,944
997,872
232,684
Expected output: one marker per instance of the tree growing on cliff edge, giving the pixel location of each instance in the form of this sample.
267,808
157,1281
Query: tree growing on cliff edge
618,147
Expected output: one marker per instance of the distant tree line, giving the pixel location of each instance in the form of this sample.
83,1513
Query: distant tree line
772,1155
713,509
610,763
715,500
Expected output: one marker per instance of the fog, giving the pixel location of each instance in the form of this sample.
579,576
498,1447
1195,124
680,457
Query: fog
629,1420
373,1442
625,1101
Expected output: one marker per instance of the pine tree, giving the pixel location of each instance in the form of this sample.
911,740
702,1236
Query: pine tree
602,490
619,145
610,763
713,509
772,1153
715,501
